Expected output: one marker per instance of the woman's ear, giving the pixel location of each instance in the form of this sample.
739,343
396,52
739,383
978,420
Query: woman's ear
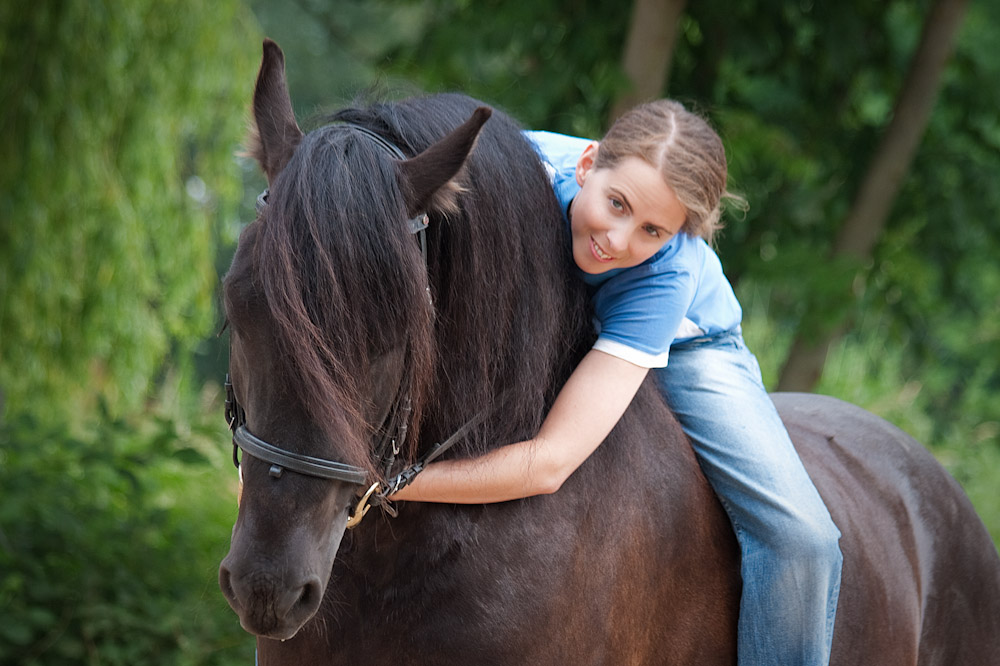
586,162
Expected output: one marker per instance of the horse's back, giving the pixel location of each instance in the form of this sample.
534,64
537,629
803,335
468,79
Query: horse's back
921,578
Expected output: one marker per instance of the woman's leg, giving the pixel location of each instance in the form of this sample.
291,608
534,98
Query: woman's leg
791,560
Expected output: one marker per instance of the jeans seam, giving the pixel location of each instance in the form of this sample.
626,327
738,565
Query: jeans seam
737,528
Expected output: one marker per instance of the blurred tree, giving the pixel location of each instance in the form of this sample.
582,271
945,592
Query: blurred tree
109,546
877,191
802,110
117,172
339,48
551,64
649,46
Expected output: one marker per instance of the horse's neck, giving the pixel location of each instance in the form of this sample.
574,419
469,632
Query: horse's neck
507,376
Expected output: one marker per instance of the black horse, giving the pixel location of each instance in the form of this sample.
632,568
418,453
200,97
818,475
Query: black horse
351,344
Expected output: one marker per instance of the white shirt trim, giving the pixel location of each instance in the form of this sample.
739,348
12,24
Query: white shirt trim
634,356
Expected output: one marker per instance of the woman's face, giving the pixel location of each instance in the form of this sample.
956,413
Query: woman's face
622,215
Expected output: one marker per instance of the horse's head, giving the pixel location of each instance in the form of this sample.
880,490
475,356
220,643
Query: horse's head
331,331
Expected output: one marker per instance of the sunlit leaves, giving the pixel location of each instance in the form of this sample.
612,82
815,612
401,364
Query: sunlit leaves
106,262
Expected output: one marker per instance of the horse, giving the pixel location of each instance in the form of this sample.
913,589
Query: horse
407,283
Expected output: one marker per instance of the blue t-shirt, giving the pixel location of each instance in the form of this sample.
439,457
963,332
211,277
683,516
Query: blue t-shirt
678,294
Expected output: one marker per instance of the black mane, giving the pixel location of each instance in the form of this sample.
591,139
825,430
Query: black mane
508,323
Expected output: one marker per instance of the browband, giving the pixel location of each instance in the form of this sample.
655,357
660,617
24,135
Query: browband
415,224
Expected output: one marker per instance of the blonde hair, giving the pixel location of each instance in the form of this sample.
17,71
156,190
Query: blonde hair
687,152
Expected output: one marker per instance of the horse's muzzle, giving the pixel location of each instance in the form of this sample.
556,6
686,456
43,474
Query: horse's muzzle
267,606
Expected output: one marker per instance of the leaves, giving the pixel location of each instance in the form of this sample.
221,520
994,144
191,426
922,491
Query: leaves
100,559
106,260
118,183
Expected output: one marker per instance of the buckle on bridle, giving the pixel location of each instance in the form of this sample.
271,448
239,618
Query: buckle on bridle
362,507
232,407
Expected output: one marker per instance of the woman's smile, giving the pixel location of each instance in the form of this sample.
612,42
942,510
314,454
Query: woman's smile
599,254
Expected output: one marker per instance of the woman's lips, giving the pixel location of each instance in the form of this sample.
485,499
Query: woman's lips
598,253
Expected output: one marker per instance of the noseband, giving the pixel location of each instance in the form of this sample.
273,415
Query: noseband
393,435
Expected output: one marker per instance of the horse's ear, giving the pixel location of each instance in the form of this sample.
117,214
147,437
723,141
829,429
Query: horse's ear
429,179
275,134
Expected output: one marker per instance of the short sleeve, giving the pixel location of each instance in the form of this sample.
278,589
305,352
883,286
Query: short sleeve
638,314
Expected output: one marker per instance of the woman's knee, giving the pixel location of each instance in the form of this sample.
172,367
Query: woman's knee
812,539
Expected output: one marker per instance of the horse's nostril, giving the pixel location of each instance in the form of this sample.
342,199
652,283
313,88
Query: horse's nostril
226,584
309,598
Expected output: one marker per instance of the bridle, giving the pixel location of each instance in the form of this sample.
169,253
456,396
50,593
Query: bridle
282,459
393,430
322,468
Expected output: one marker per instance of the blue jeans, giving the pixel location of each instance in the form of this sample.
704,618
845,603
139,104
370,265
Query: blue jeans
791,559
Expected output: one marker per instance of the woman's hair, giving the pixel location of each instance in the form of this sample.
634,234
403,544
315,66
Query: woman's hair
687,152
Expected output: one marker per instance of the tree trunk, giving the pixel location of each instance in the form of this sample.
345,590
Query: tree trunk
866,220
649,47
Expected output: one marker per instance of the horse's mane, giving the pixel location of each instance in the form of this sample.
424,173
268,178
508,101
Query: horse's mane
345,281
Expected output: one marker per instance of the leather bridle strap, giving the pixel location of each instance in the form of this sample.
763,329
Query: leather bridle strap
378,494
297,462
417,224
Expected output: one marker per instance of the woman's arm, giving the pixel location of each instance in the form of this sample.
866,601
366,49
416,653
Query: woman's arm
587,408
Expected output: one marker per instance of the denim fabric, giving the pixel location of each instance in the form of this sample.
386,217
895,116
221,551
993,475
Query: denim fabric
791,559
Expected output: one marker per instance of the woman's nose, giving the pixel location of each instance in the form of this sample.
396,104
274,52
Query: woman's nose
617,240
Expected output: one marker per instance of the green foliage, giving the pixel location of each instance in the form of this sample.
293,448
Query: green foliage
117,174
110,543
338,47
545,62
937,272
117,187
549,63
801,110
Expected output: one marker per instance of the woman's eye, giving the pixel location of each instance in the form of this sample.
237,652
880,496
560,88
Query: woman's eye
617,204
652,231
